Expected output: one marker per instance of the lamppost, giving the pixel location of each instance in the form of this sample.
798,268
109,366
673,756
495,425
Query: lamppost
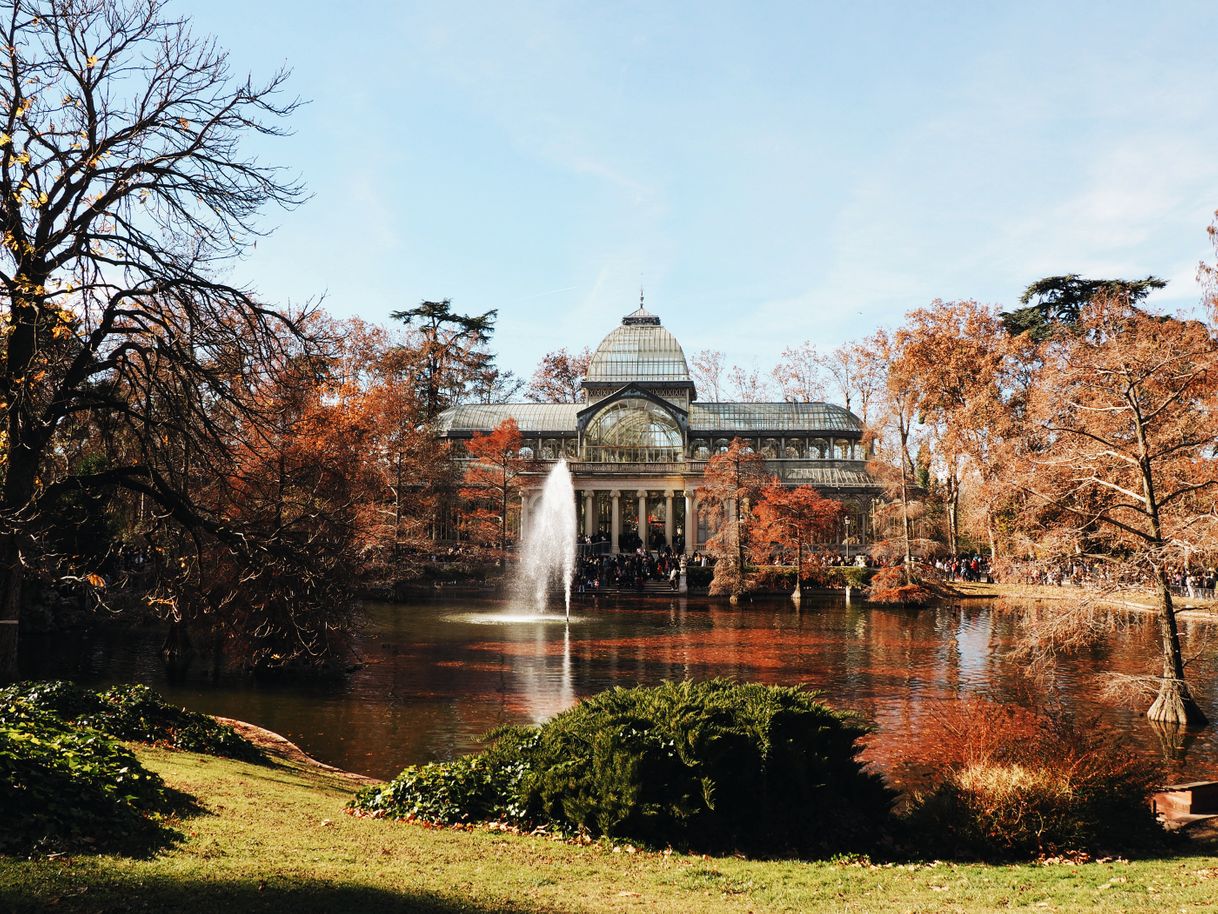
846,542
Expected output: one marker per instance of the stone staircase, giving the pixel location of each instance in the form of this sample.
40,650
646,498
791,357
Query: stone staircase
651,586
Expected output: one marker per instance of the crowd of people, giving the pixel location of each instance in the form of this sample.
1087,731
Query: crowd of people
1194,583
965,568
629,570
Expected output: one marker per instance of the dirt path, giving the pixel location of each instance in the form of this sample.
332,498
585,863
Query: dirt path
1135,602
281,747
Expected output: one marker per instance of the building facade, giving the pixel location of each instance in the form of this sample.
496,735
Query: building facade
638,444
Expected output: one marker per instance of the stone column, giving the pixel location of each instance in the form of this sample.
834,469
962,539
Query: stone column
524,514
589,516
668,525
644,533
615,522
691,522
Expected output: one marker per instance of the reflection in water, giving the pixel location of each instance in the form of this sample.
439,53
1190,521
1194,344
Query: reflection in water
438,675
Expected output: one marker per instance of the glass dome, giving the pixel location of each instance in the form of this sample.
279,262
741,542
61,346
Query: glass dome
639,350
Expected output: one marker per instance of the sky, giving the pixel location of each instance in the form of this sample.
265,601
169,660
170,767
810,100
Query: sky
766,172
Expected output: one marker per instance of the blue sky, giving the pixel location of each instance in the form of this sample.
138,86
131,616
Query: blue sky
770,172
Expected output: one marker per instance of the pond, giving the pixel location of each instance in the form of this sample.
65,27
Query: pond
440,673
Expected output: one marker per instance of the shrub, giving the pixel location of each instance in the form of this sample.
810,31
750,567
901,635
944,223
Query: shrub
916,586
1026,785
698,575
843,576
474,788
70,788
708,766
773,577
133,712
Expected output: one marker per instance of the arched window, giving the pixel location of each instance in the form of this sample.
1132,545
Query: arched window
770,448
633,431
699,449
818,448
721,445
526,452
549,449
794,447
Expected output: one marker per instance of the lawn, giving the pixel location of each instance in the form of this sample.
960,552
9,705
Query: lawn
276,838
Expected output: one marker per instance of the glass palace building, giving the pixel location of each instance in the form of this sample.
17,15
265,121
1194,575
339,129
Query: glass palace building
638,445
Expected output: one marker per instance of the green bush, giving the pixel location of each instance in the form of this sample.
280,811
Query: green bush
705,766
698,575
133,712
71,788
848,576
773,577
474,788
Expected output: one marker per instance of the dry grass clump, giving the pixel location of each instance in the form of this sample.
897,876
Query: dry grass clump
1020,784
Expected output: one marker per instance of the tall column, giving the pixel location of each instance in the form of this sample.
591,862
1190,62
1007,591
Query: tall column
589,508
691,522
615,523
644,533
668,517
524,514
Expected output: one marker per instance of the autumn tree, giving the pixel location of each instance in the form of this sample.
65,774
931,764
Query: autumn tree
790,518
375,403
559,377
1119,466
893,462
492,483
124,191
731,484
959,354
451,351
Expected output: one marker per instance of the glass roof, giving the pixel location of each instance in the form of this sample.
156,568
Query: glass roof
771,417
531,417
639,350
704,418
829,477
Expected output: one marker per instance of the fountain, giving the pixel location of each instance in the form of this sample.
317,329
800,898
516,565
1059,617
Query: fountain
547,555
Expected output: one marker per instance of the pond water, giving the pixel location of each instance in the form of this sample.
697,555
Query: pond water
440,673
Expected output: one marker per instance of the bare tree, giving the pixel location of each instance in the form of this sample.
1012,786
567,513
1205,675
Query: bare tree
800,374
851,373
749,386
123,187
706,369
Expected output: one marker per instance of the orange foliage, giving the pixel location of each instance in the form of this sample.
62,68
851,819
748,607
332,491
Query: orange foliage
790,519
492,484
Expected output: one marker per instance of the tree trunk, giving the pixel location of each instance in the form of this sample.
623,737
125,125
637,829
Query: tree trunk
953,516
22,451
1174,703
11,574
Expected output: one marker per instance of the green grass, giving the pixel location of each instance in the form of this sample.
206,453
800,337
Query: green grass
276,838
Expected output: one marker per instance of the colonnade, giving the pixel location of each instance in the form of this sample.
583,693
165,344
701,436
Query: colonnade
626,499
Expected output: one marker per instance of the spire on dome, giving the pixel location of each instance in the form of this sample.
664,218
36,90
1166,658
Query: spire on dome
640,316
